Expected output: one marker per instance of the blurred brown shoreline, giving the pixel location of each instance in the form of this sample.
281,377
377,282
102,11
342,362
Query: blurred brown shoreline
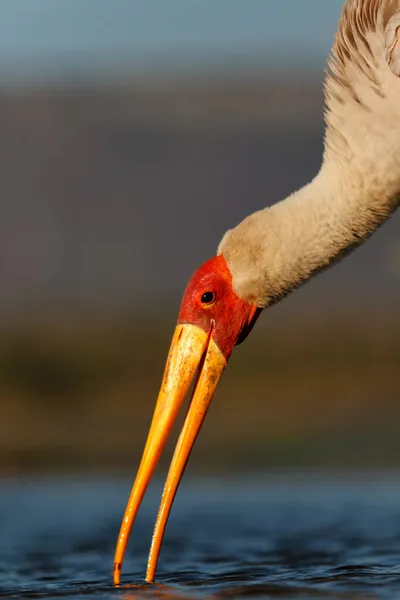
82,399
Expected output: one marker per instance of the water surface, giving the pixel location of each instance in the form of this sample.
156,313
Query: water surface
295,536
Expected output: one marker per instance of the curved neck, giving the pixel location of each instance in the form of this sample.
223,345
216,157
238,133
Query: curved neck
277,249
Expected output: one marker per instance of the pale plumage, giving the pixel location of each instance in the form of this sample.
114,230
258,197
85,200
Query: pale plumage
276,249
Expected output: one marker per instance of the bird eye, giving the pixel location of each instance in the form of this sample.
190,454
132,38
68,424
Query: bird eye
208,298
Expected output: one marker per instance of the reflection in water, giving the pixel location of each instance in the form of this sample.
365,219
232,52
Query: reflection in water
291,537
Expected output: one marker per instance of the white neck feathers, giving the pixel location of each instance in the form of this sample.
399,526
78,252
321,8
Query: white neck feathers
277,249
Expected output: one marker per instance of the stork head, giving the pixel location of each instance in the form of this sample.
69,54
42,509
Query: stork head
210,304
212,320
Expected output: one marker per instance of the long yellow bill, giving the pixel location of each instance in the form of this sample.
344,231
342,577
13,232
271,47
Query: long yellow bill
191,349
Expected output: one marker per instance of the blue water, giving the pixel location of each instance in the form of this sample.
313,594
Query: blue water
44,39
297,536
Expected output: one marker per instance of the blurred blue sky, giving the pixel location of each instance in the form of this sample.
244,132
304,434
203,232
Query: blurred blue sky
69,39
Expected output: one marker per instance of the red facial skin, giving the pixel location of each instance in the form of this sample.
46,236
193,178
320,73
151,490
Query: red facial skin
230,318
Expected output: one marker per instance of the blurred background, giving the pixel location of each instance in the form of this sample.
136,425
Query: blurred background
133,134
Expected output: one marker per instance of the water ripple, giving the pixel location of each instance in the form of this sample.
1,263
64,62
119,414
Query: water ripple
289,537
